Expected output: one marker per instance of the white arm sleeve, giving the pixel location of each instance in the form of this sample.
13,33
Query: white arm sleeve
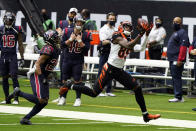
142,46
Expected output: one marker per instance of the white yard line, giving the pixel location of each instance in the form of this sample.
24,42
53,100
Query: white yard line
65,119
100,117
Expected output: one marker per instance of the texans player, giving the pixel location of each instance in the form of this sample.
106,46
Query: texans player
9,36
69,23
113,69
39,77
75,43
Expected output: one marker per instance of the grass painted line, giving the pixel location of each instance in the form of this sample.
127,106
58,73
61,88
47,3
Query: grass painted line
87,123
6,114
9,124
171,128
133,125
128,108
64,119
100,117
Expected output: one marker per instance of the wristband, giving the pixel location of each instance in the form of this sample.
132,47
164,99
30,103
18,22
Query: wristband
70,39
79,40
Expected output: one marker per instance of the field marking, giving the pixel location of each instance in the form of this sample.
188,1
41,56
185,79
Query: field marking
129,108
64,119
5,114
85,123
171,128
9,124
133,125
100,117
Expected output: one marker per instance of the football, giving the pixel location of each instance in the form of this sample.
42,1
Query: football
142,23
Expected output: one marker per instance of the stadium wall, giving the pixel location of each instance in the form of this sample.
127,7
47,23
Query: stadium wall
126,10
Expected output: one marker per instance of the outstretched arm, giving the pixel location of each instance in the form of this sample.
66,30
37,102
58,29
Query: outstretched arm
20,45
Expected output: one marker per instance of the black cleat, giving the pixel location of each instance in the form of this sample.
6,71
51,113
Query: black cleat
25,121
147,117
14,94
194,109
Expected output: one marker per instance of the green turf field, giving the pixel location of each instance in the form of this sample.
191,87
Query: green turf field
123,104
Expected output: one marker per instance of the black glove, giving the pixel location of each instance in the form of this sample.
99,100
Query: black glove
21,63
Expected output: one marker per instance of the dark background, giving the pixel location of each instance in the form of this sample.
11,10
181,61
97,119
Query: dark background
166,10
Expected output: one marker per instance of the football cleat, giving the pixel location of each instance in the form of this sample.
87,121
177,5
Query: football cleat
62,101
194,109
102,94
176,100
110,94
147,117
77,102
6,102
15,102
56,100
25,121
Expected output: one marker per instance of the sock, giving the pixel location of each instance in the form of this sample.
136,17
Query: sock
140,99
64,95
15,81
36,109
78,94
29,97
5,86
85,90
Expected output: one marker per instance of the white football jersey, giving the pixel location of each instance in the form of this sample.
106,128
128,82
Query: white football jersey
117,55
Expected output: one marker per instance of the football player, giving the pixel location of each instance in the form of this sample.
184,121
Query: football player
39,76
121,45
69,23
75,43
10,35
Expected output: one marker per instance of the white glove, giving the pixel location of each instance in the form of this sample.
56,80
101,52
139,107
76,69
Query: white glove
30,72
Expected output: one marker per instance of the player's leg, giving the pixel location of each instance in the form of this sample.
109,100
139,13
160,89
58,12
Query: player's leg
77,73
13,66
129,82
5,77
98,87
41,92
67,73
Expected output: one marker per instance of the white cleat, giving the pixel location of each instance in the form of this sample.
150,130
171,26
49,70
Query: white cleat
15,102
61,101
110,94
176,100
3,102
101,94
77,102
56,100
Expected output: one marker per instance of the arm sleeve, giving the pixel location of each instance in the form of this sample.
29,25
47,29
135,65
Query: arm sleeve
184,44
142,47
87,43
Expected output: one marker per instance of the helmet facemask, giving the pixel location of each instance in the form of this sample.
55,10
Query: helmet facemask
9,19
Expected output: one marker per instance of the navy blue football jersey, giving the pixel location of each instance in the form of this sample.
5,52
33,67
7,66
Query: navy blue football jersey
73,52
50,64
65,24
8,40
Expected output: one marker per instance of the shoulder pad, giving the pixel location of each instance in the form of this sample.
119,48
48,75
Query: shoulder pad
47,50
